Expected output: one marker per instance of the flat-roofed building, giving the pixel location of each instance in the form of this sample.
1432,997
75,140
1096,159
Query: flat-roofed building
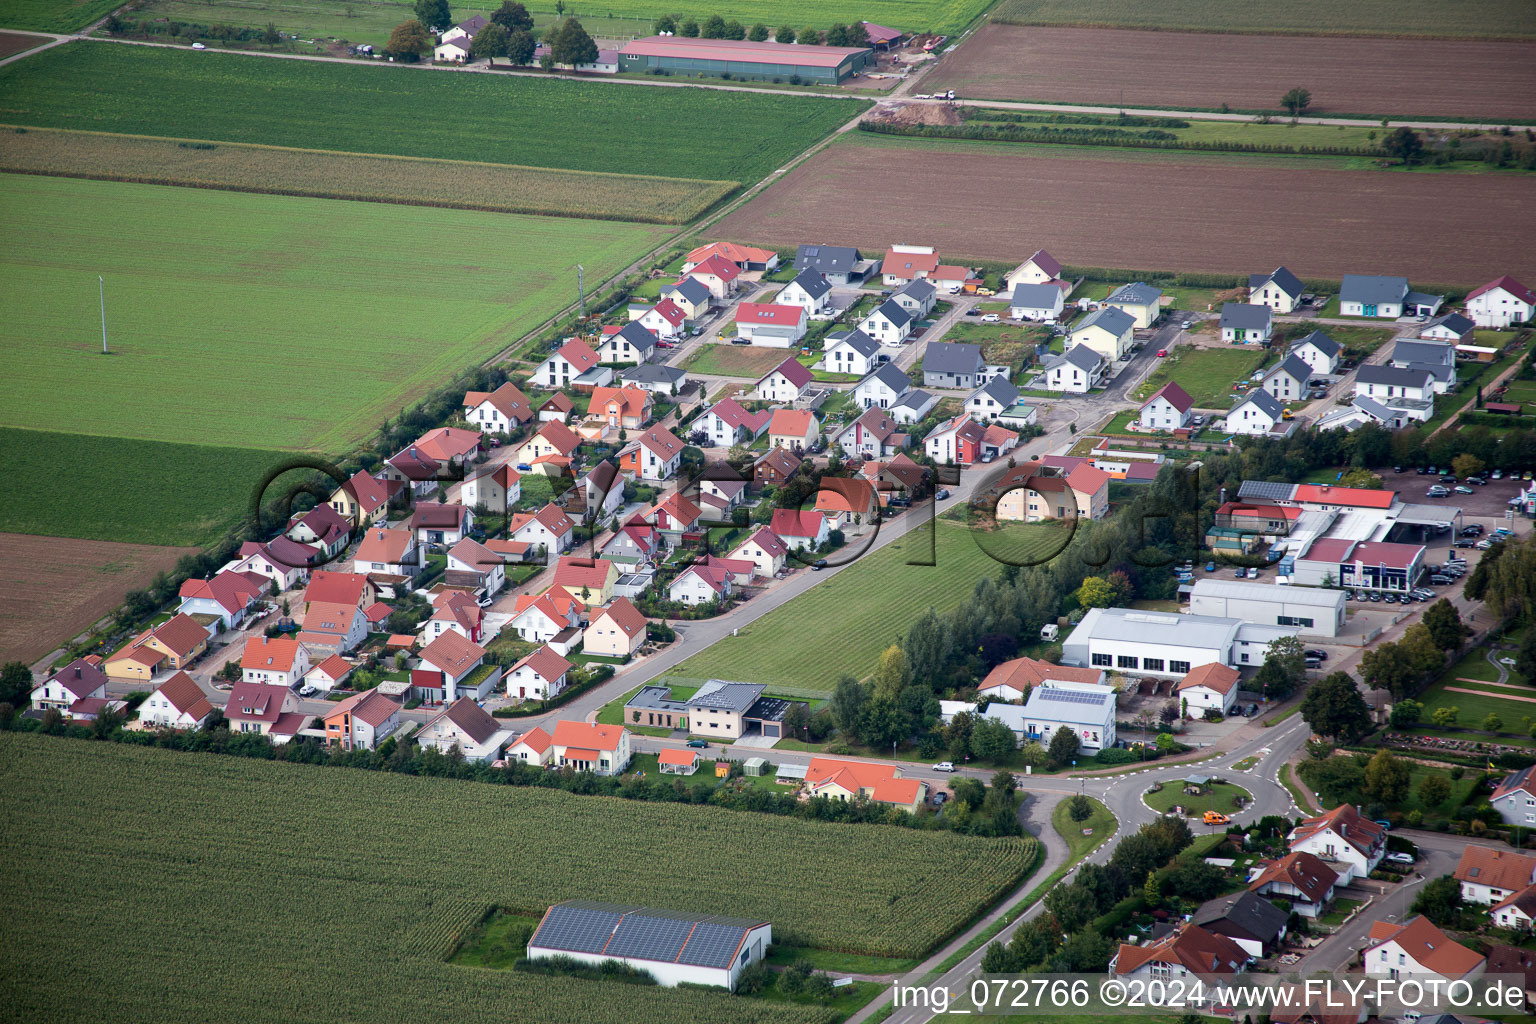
1314,611
742,59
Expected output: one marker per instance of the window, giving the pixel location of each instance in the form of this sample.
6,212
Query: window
1152,664
1181,667
1126,661
1102,661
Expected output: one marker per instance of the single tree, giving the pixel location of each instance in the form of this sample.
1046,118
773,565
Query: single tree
572,45
837,35
1080,807
1445,626
1334,707
758,33
991,740
1296,101
734,30
810,36
1064,747
1465,465
996,959
893,673
1387,778
785,34
15,683
1439,900
713,27
858,35
847,705
1444,717
689,29
512,16
1406,713
1405,144
434,14
665,24
1095,592
521,47
491,41
408,41
1434,790
1492,722
270,35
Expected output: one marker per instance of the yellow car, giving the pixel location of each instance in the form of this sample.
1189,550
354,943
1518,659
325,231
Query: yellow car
1215,818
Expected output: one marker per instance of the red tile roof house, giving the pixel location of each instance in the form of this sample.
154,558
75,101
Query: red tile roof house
1168,409
284,561
904,263
1352,844
873,435
768,325
1208,687
277,661
388,552
1301,879
457,612
415,469
441,523
467,727
655,455
585,747
79,680
617,631
785,383
175,643
955,442
774,468
270,711
361,500
1490,876
323,527
177,703
673,761
847,502
538,676
739,570
557,408
461,664
1012,680
676,515
533,747
1192,951
333,628
765,550
564,365
548,528
228,595
342,588
330,673
727,423
633,543
544,618
700,584
717,274
745,257
848,780
498,412
799,530
362,721
472,564
1416,948
793,429
495,487
666,319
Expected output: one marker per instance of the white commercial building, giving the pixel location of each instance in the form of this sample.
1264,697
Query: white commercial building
1088,710
1314,611
701,949
1165,644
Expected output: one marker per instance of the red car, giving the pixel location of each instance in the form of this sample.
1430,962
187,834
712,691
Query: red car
1161,353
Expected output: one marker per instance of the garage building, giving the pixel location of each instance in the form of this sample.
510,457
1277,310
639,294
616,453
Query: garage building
1314,611
715,58
703,949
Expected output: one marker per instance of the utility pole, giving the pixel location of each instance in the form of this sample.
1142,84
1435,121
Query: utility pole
101,287
581,290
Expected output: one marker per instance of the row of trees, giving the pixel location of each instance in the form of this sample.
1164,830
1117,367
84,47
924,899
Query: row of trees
716,27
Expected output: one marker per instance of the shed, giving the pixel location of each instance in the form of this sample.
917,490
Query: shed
791,773
754,766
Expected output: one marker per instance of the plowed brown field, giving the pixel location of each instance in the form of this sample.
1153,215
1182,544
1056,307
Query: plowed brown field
1149,211
53,588
1479,81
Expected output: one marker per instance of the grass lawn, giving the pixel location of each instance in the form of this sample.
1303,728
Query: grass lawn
838,963
1341,910
1172,795
1001,343
507,119
851,617
272,320
1101,824
497,942
1207,374
1366,17
145,492
1461,789
728,360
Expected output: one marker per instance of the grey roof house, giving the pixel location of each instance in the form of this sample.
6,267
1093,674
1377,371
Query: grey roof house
1282,279
841,264
949,364
1241,321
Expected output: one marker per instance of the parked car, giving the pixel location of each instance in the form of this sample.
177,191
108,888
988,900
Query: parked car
1475,530
699,744
1401,858
1375,597
1448,478
1462,489
973,311
1184,326
1313,663
944,766
1438,492
1477,480
818,565
1198,419
1240,572
1498,474
739,340
1315,653
698,331
1484,544
991,318
1210,566
1440,580
199,46
1253,573
1423,470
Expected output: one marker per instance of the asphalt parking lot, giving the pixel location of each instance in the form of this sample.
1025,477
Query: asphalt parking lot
1488,501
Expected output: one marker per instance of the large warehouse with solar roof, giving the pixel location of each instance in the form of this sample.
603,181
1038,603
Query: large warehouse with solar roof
703,949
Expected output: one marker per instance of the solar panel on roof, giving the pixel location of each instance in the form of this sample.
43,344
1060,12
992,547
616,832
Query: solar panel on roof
649,937
579,929
712,945
1071,696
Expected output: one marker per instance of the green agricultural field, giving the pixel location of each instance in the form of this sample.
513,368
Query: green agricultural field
372,20
505,119
332,887
849,619
1499,18
53,15
113,488
272,321
413,181
1207,374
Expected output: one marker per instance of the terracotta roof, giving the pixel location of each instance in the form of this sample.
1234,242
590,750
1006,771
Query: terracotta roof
768,314
714,578
1500,869
560,437
368,492
186,696
680,507
181,633
545,604
579,572
1345,822
1523,901
662,442
335,667
1510,285
908,264
1360,497
1087,479
1023,673
1212,676
789,522
370,707
1304,871
276,654
508,400
472,552
447,443
769,542
453,654
325,618
559,402
232,591
387,547
883,782
470,718
545,663
842,495
535,739
623,614
552,519
630,401
678,756
510,548
730,251
347,587
794,423
579,354
256,702
1199,951
718,265
998,435
1246,508
587,735
1426,945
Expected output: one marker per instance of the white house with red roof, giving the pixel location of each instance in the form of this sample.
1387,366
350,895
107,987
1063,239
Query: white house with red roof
1344,839
461,665
177,703
278,661
264,709
81,679
793,429
456,611
1209,687
874,435
548,528
388,552
655,455
785,383
1012,680
538,676
553,438
666,319
227,595
768,325
494,486
849,780
498,412
1169,408
330,673
471,563
588,747
467,727
1192,951
362,721
565,364
765,550
956,441
727,423
675,515
1041,268
799,530
332,627
617,631
321,527
450,445
1502,302
700,584
1417,949
717,274
745,257
903,263
1301,879
1489,876
635,543
533,747
541,618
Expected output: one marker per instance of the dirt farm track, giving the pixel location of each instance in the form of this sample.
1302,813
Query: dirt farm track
53,588
1481,81
1148,211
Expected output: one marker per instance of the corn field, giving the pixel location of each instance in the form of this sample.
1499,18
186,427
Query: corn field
149,884
276,170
